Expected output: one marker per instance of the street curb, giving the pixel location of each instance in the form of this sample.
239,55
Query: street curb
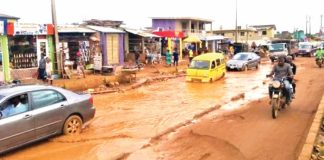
307,150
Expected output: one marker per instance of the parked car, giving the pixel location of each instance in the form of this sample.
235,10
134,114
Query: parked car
243,61
29,113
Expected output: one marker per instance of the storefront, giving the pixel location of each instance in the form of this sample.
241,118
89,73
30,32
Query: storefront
6,27
137,40
171,40
74,38
112,42
26,45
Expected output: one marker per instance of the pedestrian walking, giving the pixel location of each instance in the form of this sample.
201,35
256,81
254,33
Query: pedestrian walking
49,70
191,55
175,57
42,68
168,58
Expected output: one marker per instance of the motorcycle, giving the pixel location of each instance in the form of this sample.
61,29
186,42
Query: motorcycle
319,62
278,98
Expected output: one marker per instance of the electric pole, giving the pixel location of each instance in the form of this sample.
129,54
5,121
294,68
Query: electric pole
236,21
306,25
310,25
321,27
57,46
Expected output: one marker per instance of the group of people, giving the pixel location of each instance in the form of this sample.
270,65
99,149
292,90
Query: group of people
45,69
285,70
168,57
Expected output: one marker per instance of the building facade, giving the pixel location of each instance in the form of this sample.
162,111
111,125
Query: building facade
251,33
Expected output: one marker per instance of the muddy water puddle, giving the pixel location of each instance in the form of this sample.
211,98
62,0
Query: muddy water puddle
126,121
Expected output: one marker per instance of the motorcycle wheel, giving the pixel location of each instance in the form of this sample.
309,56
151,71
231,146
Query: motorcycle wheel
275,108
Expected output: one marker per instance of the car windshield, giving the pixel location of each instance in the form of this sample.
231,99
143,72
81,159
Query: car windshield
240,57
305,46
196,64
276,47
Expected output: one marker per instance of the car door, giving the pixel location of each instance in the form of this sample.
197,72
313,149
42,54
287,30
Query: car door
17,128
49,112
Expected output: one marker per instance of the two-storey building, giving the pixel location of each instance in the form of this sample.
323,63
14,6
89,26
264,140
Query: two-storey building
174,29
249,34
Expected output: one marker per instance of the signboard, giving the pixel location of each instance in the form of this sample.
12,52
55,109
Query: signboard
97,63
30,29
1,27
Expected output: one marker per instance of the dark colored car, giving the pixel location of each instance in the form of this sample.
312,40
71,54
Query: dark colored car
34,112
243,61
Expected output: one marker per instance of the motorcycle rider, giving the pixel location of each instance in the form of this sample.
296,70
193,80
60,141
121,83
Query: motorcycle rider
319,53
280,71
294,70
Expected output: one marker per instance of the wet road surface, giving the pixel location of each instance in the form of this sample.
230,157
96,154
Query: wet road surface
125,122
249,133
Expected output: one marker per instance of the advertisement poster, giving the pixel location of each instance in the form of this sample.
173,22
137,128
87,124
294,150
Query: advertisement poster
31,29
1,27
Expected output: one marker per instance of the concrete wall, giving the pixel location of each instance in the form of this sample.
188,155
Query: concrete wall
164,24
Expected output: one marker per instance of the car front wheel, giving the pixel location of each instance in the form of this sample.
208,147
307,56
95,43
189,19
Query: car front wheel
72,125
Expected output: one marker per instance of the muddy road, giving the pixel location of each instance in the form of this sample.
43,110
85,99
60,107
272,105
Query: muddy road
249,133
174,119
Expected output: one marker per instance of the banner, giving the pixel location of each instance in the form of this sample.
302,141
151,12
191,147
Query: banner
30,29
1,27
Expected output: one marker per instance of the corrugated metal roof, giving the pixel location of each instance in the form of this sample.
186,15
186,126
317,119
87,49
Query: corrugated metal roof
8,16
74,29
141,33
183,18
105,29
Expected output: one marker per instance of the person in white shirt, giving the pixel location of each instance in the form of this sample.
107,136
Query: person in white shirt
14,107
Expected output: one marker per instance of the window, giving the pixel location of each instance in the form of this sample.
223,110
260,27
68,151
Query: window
218,62
45,98
199,64
264,33
213,65
242,33
15,105
184,26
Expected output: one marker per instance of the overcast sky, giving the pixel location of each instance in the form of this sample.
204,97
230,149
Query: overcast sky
285,14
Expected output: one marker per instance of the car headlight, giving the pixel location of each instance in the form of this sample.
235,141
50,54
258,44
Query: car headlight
275,84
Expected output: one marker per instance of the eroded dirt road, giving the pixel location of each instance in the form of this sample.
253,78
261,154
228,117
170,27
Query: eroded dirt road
125,123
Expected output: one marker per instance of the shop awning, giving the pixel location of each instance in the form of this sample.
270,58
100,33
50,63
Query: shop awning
170,34
105,29
141,33
74,29
212,38
192,39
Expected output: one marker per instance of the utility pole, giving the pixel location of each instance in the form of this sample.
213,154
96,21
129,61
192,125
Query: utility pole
306,24
57,46
310,25
321,27
236,21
